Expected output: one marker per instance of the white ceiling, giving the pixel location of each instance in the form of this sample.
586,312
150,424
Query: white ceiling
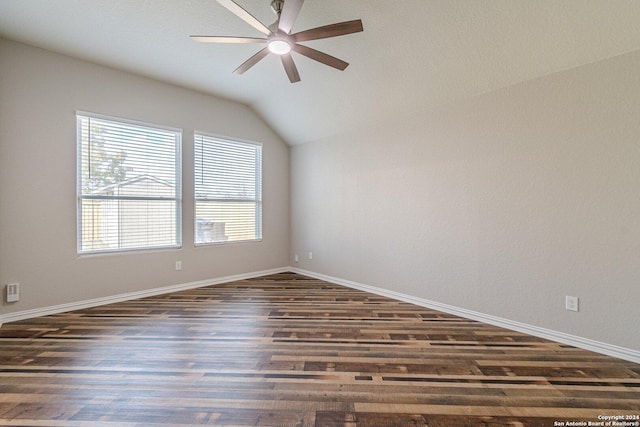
412,53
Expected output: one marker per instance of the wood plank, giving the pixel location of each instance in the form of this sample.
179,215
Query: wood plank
288,350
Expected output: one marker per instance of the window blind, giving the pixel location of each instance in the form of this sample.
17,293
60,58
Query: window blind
129,185
228,190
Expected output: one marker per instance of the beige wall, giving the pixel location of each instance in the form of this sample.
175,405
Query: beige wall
39,95
502,204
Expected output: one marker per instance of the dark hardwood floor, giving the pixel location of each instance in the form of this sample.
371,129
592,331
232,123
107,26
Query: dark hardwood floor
287,350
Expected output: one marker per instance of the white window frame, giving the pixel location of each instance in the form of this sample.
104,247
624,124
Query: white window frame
258,189
81,196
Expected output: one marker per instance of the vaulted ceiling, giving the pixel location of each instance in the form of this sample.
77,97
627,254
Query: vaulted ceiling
412,53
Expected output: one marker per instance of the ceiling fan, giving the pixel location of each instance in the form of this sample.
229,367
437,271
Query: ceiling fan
279,39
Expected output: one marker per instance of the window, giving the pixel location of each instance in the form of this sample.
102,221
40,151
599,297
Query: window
228,190
129,186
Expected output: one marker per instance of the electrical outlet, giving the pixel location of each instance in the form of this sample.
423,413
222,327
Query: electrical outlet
178,265
296,258
13,292
310,255
571,303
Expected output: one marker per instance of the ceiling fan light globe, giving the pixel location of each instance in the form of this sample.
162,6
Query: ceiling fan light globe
279,47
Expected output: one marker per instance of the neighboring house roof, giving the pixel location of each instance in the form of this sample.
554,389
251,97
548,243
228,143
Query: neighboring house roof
138,179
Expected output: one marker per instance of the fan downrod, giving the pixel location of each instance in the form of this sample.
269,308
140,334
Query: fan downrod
276,6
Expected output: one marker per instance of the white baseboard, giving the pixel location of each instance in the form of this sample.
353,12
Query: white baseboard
561,337
79,305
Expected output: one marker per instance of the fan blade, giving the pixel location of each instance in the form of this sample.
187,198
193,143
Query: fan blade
290,12
322,57
252,61
327,31
290,68
222,39
237,10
